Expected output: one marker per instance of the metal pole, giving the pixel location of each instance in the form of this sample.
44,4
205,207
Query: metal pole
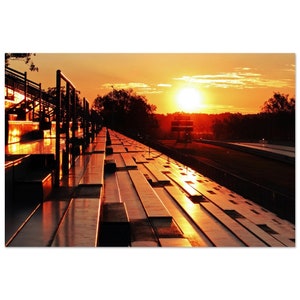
57,136
25,93
83,125
87,122
33,102
66,163
74,126
40,103
74,120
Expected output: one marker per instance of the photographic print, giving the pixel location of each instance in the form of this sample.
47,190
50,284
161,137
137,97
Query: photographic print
150,150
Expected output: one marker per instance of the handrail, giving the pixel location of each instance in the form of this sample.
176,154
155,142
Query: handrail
19,82
65,78
12,73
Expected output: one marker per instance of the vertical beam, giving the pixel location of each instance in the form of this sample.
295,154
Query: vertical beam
40,103
33,102
87,122
25,94
67,106
74,119
74,125
83,124
6,129
57,135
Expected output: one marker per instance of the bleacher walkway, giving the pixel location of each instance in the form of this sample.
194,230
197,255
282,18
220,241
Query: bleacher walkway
125,194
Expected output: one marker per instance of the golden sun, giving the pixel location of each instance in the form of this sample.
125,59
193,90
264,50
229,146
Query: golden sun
189,100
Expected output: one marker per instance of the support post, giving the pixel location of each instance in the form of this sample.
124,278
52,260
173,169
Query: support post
25,94
57,135
74,126
40,104
87,134
85,123
67,128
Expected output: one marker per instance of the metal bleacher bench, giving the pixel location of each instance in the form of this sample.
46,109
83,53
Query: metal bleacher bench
73,221
80,224
39,228
152,204
60,223
31,180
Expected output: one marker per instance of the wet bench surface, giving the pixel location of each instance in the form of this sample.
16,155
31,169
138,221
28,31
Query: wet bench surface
243,234
141,230
39,229
150,200
94,172
129,161
174,242
140,158
160,177
99,147
213,230
79,226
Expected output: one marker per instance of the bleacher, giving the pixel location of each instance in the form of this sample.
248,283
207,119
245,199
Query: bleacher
122,193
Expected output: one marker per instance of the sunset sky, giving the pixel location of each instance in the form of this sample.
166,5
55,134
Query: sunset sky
219,82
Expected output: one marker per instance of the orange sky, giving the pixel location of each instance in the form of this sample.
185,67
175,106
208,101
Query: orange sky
226,82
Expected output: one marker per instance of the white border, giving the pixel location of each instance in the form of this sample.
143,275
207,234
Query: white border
149,26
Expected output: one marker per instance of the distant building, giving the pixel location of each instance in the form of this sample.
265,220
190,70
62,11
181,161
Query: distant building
184,127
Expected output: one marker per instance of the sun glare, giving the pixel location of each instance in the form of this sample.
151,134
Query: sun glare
189,100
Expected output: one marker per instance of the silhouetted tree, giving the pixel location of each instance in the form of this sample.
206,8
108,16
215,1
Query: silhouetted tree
280,111
276,122
27,57
279,103
124,110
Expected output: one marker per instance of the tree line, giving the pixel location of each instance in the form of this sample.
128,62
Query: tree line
275,122
128,112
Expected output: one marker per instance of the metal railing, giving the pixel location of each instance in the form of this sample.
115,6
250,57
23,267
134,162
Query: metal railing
69,86
68,114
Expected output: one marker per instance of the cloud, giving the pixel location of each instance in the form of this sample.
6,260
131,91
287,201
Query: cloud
239,79
164,85
242,69
139,87
290,68
129,85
